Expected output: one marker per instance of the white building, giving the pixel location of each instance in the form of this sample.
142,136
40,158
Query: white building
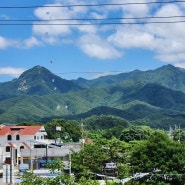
15,138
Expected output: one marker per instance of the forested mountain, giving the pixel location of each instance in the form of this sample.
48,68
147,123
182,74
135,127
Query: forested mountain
153,97
168,76
36,81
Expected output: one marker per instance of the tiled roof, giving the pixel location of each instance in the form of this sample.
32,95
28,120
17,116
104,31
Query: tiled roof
12,145
21,130
25,145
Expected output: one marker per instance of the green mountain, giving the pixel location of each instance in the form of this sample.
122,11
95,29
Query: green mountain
140,97
168,76
36,81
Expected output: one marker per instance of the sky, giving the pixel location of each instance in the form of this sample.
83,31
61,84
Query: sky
79,38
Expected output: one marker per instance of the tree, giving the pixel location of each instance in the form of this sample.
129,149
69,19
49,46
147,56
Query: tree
178,135
92,157
159,152
70,130
29,178
105,122
135,133
55,166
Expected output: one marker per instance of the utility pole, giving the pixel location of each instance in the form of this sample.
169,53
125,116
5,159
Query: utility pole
11,165
30,157
179,134
55,130
69,163
46,154
82,129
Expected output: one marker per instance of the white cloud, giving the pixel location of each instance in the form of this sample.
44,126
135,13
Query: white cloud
136,10
49,13
100,41
5,43
31,42
58,15
165,39
27,43
4,16
15,72
94,46
132,37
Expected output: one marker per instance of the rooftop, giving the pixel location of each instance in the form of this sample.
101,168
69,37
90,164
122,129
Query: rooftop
22,130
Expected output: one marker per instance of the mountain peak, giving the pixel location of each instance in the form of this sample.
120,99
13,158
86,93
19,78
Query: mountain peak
40,81
36,70
170,67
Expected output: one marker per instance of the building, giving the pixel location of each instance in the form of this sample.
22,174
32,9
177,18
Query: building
15,138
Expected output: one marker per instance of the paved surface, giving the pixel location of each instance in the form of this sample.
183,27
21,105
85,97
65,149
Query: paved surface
4,183
1,181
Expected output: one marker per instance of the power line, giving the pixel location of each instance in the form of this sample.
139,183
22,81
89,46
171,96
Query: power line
91,5
71,72
11,22
92,19
89,24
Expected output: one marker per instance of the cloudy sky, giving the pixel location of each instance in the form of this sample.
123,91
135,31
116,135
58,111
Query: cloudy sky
79,38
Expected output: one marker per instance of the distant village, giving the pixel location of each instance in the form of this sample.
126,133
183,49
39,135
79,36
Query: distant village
26,147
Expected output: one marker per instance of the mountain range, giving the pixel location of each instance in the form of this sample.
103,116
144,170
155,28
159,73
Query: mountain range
153,97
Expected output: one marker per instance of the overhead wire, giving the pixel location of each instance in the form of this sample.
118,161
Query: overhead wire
107,21
95,19
91,5
70,72
12,22
89,24
9,22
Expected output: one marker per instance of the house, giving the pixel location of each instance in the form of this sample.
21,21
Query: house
15,138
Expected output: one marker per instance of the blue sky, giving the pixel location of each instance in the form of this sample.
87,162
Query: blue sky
92,50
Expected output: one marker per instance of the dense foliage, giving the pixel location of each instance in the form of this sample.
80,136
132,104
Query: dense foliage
139,97
70,130
135,133
135,150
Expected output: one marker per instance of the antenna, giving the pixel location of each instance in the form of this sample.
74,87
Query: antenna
82,130
179,135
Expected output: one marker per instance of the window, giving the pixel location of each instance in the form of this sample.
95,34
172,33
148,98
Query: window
7,148
17,137
9,137
21,147
35,137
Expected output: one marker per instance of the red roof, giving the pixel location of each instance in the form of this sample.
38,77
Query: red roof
25,145
21,130
12,145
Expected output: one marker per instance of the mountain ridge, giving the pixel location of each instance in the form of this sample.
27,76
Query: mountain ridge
133,96
36,81
167,75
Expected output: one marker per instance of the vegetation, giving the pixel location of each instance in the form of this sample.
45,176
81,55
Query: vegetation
153,153
138,97
135,133
121,113
70,130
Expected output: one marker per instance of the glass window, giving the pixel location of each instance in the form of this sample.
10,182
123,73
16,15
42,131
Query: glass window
9,137
17,137
7,148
